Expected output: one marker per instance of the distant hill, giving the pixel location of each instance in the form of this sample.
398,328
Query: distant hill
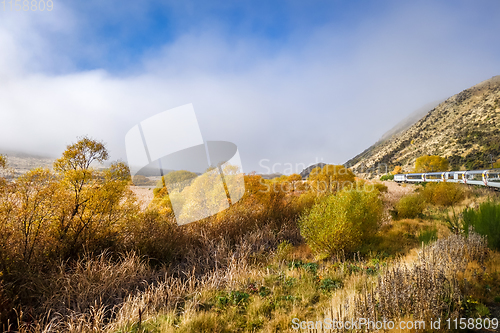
465,129
22,162
305,173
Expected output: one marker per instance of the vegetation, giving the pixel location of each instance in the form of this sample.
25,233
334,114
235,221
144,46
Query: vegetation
489,147
397,170
485,221
431,164
341,222
443,193
141,180
330,178
497,164
387,177
3,161
77,254
410,206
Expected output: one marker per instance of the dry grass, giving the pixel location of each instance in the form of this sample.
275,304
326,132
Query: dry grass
429,287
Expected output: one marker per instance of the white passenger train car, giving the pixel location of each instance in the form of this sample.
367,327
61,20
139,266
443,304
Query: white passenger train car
473,177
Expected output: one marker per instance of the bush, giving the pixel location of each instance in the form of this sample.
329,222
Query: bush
485,221
387,177
341,222
381,187
410,206
444,194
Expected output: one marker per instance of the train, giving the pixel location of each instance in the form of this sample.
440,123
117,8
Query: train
490,178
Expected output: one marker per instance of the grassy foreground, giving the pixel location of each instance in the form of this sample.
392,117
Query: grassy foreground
88,259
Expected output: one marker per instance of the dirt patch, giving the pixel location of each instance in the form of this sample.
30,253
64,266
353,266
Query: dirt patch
144,195
394,192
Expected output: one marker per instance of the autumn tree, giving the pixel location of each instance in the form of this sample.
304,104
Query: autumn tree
330,178
94,201
397,170
34,203
431,164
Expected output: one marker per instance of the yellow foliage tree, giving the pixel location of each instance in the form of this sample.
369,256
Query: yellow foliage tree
92,201
432,163
330,178
397,170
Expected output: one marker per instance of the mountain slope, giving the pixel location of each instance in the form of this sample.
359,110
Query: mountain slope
465,129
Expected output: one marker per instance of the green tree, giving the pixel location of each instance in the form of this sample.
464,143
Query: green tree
432,163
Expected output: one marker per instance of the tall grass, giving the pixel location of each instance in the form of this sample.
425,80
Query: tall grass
428,288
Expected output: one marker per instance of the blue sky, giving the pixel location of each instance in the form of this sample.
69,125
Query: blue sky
287,81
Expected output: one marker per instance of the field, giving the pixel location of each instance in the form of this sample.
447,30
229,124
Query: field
86,251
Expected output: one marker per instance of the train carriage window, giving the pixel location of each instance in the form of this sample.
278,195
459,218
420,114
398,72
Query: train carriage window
494,177
475,176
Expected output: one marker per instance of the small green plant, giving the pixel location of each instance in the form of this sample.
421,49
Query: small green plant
264,291
387,177
311,267
427,235
232,298
328,284
482,310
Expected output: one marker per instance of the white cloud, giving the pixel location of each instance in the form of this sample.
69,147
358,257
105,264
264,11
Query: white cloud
328,96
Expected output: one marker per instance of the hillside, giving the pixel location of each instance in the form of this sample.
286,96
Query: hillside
20,163
465,129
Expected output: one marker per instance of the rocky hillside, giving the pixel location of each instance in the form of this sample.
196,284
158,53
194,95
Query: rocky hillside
465,129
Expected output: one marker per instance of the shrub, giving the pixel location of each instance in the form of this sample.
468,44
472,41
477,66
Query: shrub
443,194
284,250
387,177
331,178
410,206
341,221
485,221
381,187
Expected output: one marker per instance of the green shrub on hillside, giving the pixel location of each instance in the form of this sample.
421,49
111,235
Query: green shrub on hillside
410,206
341,222
485,221
387,177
